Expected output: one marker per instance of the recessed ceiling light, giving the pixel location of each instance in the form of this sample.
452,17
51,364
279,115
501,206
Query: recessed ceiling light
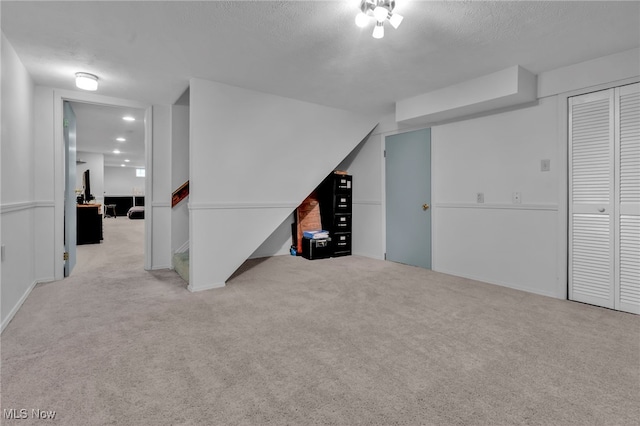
121,165
86,81
116,151
128,118
127,160
121,139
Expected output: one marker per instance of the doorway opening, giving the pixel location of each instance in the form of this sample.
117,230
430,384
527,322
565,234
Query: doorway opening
109,185
66,199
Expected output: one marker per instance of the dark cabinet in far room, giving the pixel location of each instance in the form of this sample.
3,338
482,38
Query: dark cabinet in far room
89,224
335,194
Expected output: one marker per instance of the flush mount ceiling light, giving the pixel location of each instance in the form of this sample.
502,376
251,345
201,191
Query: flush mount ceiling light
127,160
121,139
86,81
380,11
116,151
128,118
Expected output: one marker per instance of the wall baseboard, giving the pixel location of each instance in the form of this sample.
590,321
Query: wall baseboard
369,255
159,267
194,289
17,306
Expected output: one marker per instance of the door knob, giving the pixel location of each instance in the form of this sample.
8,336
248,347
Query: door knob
425,206
601,209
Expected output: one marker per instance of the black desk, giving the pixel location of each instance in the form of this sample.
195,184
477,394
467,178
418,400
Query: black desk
89,224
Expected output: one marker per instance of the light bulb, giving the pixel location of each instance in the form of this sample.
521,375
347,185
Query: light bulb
395,20
378,31
362,20
380,13
86,81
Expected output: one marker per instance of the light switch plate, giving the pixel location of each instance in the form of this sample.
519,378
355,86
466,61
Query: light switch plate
480,197
545,165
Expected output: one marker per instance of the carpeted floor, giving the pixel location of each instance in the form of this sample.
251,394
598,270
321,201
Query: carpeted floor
347,341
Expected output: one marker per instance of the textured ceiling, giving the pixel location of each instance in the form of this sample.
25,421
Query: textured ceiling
308,50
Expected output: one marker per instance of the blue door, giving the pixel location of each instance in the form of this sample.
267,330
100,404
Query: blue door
70,202
408,197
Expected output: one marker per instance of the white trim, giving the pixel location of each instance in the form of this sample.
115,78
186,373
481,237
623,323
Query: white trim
159,267
160,204
183,248
193,289
248,205
549,207
24,205
17,306
367,202
44,204
17,207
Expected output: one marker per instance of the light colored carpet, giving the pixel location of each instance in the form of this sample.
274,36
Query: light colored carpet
290,341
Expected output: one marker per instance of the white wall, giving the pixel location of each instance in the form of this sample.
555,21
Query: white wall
179,174
158,204
498,241
95,164
45,218
253,158
278,243
523,246
18,203
365,165
122,181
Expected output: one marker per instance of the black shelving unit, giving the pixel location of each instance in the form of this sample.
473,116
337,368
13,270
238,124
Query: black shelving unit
335,194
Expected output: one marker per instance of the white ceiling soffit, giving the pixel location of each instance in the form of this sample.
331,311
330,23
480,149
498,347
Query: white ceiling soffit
307,50
506,88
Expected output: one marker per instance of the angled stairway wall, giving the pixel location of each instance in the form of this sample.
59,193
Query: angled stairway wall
253,158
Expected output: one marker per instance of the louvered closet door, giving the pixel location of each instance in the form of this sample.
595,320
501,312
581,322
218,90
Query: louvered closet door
591,206
627,145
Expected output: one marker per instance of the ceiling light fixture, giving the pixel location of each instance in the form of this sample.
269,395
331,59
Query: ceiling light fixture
86,81
116,151
127,160
380,10
122,165
128,118
121,139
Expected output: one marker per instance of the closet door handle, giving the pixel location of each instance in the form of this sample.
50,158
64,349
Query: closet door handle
601,209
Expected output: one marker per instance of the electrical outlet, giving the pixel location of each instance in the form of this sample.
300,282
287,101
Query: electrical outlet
517,198
480,197
545,165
